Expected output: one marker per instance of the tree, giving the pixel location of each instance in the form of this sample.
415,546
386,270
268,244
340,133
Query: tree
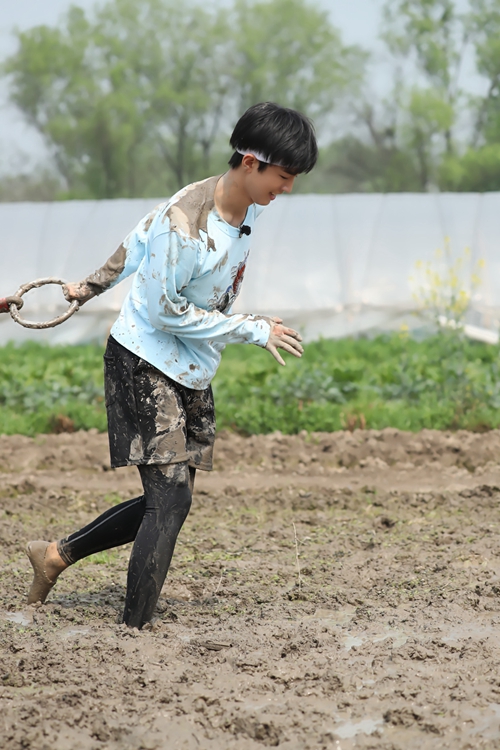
485,23
89,123
397,144
177,55
478,167
431,36
427,117
140,84
351,165
288,51
477,170
134,99
39,185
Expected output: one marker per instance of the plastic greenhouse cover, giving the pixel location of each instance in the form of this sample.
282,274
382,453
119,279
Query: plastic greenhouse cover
330,265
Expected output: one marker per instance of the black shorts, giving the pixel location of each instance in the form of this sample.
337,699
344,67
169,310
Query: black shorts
151,418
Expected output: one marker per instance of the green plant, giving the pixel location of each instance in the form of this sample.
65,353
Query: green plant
442,382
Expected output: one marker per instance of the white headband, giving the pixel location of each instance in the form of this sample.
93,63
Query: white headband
257,155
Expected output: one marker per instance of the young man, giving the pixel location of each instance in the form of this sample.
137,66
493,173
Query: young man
189,257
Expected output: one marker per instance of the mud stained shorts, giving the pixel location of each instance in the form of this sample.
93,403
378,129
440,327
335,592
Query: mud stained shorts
151,418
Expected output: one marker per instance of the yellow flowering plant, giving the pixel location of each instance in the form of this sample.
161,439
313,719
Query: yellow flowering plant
443,287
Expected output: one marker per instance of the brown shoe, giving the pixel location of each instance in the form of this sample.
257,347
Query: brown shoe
42,584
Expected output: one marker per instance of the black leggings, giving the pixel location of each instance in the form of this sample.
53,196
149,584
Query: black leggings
153,521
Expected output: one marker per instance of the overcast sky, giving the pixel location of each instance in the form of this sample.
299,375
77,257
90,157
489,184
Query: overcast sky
358,21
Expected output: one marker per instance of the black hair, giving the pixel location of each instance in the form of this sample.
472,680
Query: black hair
284,136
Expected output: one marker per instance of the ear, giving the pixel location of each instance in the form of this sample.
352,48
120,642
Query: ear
249,162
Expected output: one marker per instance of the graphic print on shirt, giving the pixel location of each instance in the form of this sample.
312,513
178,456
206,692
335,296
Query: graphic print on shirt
224,302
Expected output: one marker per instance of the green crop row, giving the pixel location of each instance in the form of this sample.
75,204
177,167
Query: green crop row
43,388
442,382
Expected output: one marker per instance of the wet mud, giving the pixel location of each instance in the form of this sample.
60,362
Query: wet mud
328,591
189,214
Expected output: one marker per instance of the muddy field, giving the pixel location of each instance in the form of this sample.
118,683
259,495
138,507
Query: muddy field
328,591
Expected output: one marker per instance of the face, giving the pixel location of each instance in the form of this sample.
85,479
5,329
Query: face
263,187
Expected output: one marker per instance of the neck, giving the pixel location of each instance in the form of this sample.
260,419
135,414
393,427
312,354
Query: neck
231,198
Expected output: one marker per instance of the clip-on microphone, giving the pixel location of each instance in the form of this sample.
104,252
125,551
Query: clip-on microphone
245,229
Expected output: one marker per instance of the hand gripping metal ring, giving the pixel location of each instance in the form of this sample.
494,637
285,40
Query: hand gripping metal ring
14,312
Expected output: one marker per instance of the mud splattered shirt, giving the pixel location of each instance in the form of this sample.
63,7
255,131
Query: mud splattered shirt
189,265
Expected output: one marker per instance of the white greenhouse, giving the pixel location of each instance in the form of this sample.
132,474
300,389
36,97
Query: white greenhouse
330,265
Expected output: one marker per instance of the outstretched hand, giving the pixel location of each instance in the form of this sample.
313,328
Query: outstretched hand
285,338
79,291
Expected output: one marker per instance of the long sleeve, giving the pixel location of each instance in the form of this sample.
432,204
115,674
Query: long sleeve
124,261
190,265
173,261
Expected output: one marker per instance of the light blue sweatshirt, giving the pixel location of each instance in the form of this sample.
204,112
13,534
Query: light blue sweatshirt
189,265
